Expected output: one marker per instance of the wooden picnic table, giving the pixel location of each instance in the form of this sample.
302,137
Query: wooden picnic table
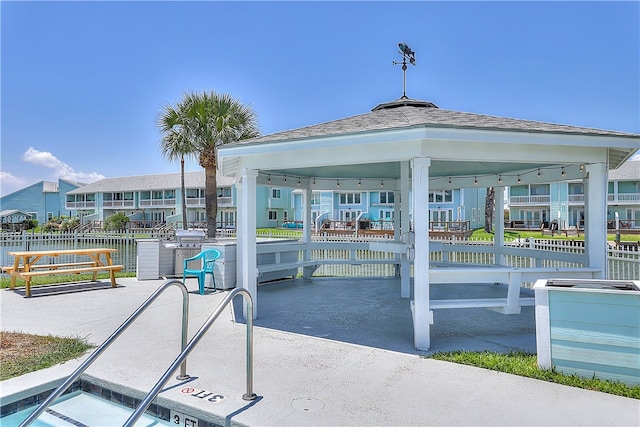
26,264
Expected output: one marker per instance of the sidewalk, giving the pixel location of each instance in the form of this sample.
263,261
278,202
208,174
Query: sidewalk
343,358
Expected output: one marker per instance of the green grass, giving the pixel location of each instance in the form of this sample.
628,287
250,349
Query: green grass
526,365
23,353
61,278
510,235
279,231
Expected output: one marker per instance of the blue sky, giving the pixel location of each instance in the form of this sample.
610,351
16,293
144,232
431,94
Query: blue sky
82,83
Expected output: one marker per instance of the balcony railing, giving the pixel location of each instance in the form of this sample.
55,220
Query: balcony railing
80,205
157,202
624,198
576,198
118,203
200,202
530,200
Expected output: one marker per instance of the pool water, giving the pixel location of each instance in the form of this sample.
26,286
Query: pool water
81,409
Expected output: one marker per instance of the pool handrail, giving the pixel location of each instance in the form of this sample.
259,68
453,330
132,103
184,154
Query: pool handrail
249,395
83,367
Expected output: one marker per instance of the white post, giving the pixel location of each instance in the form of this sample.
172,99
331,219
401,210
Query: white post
595,227
239,233
306,231
403,215
247,258
422,315
499,218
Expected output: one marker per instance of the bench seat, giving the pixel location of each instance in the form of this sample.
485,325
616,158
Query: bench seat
315,263
9,269
477,303
27,275
71,270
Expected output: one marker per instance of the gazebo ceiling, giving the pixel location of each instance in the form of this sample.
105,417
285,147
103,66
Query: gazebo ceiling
391,170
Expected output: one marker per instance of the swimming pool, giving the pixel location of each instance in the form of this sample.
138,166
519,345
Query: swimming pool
80,408
88,404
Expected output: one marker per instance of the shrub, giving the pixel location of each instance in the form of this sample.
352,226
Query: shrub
69,224
52,225
116,222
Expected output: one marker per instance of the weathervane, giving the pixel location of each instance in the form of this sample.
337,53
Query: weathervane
406,52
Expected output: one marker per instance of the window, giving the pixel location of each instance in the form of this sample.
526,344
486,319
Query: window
540,190
193,193
224,192
34,215
272,215
275,193
445,196
576,188
386,197
349,198
315,198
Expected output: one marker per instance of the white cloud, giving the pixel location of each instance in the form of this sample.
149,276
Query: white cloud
9,182
61,169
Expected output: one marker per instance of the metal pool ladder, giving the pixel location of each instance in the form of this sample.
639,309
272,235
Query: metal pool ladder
181,360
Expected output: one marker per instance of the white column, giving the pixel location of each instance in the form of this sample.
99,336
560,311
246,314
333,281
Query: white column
405,279
306,219
595,226
422,315
307,225
499,219
247,258
239,232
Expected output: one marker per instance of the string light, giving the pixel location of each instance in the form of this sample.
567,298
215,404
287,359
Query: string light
499,179
269,178
299,183
285,179
539,173
381,183
338,182
314,181
582,168
475,180
359,182
519,180
449,180
563,174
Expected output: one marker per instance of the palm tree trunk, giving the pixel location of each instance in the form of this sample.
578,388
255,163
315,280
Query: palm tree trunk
211,199
183,195
489,205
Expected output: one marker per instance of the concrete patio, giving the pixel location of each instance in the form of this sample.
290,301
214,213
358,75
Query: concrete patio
328,352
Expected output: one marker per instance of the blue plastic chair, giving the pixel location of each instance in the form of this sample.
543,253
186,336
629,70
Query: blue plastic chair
208,258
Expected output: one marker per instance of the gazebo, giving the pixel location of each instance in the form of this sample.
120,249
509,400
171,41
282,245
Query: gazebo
411,147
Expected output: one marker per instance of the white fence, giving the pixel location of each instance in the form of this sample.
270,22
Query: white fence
623,262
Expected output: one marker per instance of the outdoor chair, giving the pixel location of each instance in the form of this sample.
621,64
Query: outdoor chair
208,258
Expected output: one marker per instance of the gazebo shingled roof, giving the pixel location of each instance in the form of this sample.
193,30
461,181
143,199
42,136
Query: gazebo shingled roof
408,112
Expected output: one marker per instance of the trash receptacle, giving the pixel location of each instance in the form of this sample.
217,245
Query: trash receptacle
589,327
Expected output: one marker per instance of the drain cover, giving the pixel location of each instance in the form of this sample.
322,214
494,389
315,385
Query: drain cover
307,404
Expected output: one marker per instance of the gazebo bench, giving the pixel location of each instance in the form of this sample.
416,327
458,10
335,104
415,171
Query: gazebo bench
310,266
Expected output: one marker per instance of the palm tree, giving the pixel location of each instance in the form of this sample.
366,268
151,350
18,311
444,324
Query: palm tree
176,144
208,120
489,205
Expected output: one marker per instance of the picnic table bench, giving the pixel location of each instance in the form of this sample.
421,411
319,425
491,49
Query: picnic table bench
26,265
